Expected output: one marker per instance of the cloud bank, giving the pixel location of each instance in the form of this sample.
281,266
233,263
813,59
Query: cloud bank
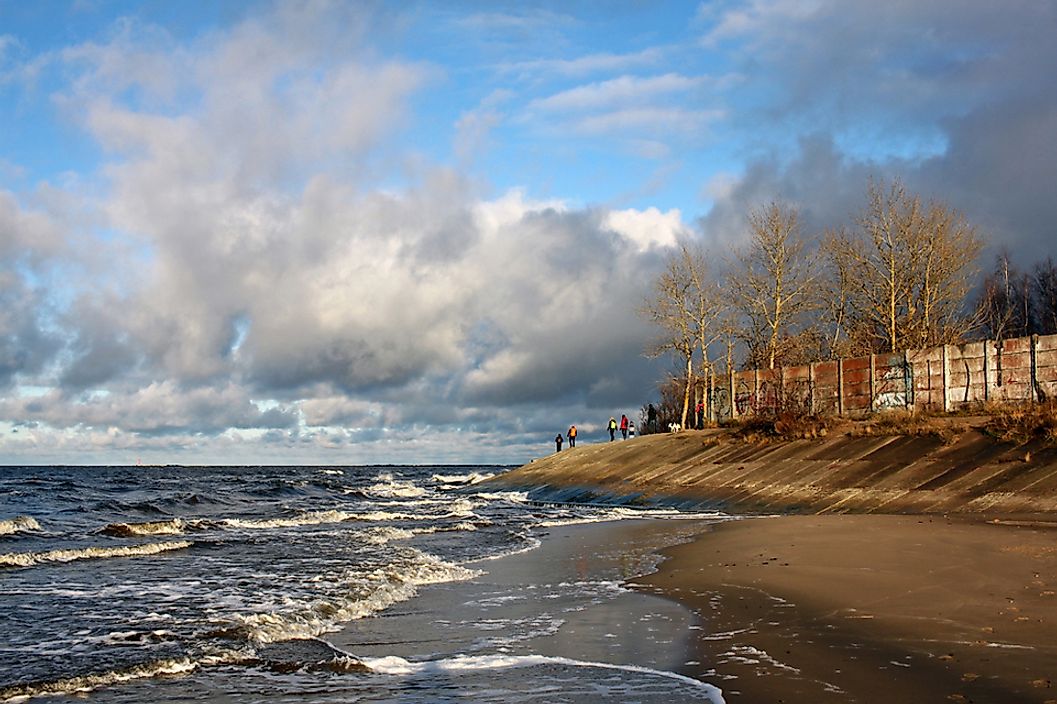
264,260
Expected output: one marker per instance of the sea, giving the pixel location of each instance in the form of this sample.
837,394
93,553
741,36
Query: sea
330,584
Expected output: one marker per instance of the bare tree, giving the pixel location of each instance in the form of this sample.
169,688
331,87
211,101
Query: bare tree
771,283
834,293
1045,297
1005,306
909,267
686,305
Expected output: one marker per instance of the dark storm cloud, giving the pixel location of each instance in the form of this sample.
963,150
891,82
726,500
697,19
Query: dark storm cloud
960,102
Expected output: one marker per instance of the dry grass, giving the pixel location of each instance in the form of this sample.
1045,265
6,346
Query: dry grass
900,422
784,426
1021,423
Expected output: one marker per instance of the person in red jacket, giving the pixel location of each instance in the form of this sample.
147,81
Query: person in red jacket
624,426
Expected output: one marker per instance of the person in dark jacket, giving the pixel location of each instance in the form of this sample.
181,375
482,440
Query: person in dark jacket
558,442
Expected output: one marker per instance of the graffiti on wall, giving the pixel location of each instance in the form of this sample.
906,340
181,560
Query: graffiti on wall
892,387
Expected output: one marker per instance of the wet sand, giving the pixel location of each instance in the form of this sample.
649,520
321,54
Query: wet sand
562,601
871,608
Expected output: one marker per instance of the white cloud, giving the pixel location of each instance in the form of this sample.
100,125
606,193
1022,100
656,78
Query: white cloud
618,91
649,228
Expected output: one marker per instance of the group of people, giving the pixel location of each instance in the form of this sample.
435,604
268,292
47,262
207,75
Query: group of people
626,427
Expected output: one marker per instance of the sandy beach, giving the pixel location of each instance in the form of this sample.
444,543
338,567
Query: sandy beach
871,608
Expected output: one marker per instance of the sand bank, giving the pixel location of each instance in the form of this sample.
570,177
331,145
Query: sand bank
871,608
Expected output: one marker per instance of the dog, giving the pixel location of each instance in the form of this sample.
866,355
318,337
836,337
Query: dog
674,427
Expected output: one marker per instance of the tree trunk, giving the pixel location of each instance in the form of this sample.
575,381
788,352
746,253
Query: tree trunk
686,390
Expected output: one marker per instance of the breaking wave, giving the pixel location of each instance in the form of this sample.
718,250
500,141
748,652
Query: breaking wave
28,559
127,530
317,518
466,479
18,524
389,488
387,586
87,683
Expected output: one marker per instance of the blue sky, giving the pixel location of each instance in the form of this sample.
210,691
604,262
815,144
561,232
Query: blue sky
331,232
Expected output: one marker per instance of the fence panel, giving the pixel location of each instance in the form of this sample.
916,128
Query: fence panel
857,391
1046,366
826,388
890,381
1017,370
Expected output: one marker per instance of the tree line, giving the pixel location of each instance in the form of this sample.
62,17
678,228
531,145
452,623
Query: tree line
899,276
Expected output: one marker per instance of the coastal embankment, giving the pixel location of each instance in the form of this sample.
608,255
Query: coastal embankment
865,568
962,470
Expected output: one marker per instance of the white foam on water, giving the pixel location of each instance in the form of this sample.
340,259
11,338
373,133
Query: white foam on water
28,559
397,666
388,586
88,683
333,472
620,513
312,518
390,488
18,524
751,655
385,534
174,527
462,479
309,518
517,497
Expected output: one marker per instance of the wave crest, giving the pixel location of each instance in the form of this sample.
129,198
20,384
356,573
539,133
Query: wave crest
28,559
464,479
391,586
126,530
18,524
87,683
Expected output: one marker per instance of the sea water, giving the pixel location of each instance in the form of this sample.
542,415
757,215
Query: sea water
322,584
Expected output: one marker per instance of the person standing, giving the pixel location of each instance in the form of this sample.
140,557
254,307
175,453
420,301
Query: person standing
558,442
612,428
631,430
651,419
624,425
572,436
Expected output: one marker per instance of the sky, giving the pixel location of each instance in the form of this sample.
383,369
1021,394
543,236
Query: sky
420,232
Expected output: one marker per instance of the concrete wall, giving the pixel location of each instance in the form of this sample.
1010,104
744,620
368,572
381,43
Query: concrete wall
941,378
972,473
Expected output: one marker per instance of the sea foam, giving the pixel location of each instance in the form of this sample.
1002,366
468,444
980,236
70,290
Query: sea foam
392,665
462,479
390,586
28,559
87,683
18,524
124,530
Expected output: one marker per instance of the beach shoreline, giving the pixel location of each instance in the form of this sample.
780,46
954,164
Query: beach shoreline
870,608
562,607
